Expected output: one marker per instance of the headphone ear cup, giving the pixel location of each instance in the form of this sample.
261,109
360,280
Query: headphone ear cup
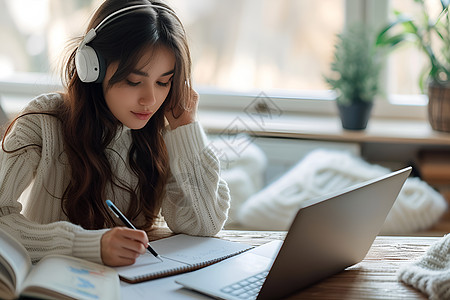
101,66
87,64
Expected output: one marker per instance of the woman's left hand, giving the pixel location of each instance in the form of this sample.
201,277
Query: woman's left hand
186,116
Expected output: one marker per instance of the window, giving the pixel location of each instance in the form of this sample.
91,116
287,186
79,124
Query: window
258,44
261,44
34,32
239,47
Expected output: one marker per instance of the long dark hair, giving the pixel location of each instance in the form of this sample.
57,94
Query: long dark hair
89,126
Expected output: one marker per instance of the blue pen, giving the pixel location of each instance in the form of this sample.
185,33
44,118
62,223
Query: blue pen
120,215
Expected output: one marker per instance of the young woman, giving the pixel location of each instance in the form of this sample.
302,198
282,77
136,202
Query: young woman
124,130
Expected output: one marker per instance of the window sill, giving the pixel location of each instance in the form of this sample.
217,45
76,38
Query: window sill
321,127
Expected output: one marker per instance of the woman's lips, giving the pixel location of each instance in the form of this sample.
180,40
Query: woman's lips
143,116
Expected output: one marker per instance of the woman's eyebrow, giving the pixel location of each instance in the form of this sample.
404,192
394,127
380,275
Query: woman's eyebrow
168,73
142,73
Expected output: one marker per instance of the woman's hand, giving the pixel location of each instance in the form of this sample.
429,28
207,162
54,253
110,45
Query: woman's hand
186,116
120,246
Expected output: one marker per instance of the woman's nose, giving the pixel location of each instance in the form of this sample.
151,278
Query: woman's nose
147,98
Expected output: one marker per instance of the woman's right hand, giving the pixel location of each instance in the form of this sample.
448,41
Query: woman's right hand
120,246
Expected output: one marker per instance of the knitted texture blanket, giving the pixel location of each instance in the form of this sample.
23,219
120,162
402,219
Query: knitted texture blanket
431,273
417,207
242,166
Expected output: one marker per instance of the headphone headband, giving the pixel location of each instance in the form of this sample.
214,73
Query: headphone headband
89,64
117,14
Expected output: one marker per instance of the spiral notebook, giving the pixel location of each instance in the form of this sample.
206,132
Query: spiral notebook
180,253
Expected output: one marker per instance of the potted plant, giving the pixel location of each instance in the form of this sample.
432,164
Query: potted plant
355,75
433,37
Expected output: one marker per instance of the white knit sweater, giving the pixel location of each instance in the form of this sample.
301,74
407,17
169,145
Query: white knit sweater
196,201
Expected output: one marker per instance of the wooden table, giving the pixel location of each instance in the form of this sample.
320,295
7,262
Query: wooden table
372,278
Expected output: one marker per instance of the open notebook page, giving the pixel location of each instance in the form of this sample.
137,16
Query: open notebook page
181,251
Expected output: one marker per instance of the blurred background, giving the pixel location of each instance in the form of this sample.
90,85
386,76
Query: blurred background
237,45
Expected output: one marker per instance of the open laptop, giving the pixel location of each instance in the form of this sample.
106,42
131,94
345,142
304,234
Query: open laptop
328,234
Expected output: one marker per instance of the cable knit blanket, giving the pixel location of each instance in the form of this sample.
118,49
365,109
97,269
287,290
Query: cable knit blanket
417,207
431,273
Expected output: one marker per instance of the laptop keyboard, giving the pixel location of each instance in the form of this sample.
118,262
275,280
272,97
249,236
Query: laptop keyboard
247,288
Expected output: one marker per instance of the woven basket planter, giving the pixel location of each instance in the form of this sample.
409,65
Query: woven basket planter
439,107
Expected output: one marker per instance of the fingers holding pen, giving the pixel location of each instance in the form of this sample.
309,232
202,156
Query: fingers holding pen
120,246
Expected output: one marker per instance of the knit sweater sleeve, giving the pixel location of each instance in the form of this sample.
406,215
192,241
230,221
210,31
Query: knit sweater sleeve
39,224
197,198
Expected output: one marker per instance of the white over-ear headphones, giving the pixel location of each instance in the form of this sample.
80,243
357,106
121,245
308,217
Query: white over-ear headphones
90,65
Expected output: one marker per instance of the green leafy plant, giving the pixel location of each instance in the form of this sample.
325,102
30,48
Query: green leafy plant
431,35
356,66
